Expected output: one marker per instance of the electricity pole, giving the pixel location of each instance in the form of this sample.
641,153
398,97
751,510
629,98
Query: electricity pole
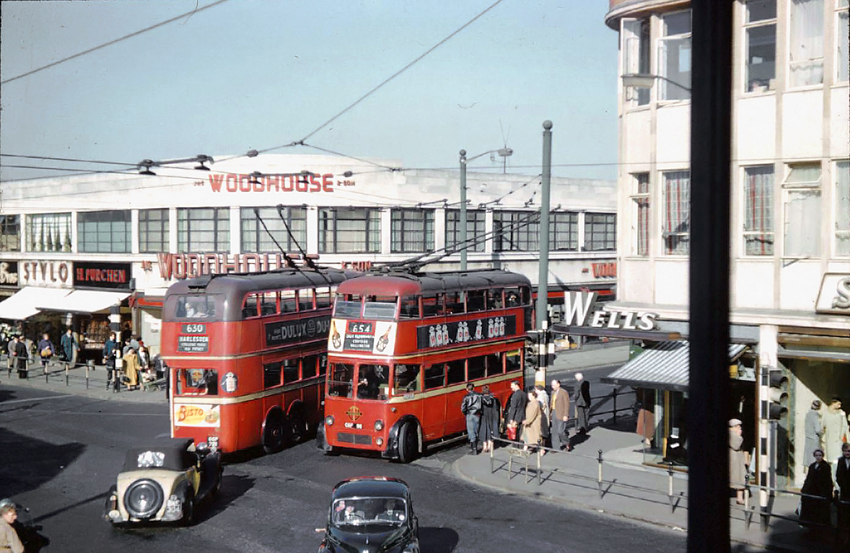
543,274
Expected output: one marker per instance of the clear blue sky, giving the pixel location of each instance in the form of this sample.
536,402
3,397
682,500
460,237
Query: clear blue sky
262,73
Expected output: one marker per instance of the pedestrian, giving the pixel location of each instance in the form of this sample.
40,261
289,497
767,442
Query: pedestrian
816,493
471,407
582,401
109,357
645,426
738,460
46,349
70,347
131,368
842,480
543,399
10,349
9,540
561,415
135,342
490,417
834,430
515,412
22,356
532,422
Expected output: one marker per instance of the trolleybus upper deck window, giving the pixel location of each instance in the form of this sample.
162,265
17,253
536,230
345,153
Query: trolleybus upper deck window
380,307
409,308
347,305
195,307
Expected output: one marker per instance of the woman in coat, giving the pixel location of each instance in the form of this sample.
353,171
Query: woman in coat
817,493
131,368
737,461
491,408
532,421
813,431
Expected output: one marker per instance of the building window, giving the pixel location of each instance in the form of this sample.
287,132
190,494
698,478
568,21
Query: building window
640,212
677,212
516,231
636,56
842,43
806,48
842,209
674,56
49,232
563,231
349,230
10,233
600,232
104,232
413,230
758,210
153,230
203,229
475,233
255,238
802,210
760,30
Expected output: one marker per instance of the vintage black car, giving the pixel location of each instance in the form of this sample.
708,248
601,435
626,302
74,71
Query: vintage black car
163,481
371,514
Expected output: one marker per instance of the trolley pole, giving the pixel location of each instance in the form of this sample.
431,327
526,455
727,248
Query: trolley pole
543,274
463,237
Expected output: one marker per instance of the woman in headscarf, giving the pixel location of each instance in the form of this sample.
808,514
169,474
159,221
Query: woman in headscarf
817,493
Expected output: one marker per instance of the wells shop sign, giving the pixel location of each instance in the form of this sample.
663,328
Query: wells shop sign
114,276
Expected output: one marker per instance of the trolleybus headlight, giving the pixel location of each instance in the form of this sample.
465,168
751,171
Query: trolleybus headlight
379,425
379,441
329,420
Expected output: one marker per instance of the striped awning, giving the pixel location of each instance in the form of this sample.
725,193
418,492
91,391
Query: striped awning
663,366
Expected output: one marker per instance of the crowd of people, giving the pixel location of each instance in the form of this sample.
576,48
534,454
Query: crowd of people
532,416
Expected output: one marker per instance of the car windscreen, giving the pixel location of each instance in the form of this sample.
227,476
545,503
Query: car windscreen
384,511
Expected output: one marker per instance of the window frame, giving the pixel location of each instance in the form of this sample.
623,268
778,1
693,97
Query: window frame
58,222
520,237
252,235
563,229
636,60
220,232
609,232
841,233
329,220
842,42
768,222
684,218
10,232
641,222
793,187
791,83
748,26
682,88
145,226
401,221
476,229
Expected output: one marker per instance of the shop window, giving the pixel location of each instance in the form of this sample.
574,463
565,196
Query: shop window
674,57
760,36
412,230
600,232
49,232
842,209
455,372
10,233
255,238
677,212
203,229
516,231
802,194
435,376
349,230
640,214
153,230
806,45
758,210
475,229
475,368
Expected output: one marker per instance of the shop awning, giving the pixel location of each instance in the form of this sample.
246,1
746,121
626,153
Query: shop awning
662,366
84,301
25,302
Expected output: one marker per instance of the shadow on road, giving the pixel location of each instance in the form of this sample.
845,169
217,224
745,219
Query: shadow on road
28,462
438,540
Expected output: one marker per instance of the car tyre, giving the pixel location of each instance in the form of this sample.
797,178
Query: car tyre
217,488
273,432
188,509
407,443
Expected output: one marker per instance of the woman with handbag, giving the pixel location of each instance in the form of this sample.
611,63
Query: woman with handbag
45,351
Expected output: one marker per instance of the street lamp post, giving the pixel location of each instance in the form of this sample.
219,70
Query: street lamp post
543,265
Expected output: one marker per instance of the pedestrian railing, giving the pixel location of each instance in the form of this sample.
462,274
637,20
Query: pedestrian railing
615,394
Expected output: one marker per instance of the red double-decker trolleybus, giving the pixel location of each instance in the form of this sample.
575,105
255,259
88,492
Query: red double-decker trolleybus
402,347
246,355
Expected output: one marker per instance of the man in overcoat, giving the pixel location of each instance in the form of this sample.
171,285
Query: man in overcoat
582,399
560,415
515,412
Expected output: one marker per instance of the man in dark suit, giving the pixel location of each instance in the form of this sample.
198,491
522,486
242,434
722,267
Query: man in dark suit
582,401
515,412
842,479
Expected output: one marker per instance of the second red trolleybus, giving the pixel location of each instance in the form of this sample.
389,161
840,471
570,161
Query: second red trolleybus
402,347
247,356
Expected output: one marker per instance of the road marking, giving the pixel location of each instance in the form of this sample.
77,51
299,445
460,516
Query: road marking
7,402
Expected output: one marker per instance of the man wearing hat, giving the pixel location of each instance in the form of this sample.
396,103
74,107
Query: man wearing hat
738,460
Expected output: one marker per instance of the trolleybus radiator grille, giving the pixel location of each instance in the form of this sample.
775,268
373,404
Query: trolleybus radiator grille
359,439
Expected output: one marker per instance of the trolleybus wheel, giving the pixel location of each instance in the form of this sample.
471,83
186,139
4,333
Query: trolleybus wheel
297,427
407,443
273,431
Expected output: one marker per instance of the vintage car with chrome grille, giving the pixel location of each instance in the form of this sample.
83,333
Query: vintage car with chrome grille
163,481
371,515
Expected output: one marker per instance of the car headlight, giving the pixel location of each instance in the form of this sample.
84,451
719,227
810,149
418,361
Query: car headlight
329,420
379,425
143,498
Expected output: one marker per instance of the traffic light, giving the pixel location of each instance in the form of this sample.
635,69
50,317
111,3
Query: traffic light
775,387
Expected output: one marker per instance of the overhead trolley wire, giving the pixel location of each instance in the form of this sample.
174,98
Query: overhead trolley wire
110,43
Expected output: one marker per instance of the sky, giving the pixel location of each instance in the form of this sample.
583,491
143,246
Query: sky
258,74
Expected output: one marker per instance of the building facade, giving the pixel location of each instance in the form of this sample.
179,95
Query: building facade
75,248
790,175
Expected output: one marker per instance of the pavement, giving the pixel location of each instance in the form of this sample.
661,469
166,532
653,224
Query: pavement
629,489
